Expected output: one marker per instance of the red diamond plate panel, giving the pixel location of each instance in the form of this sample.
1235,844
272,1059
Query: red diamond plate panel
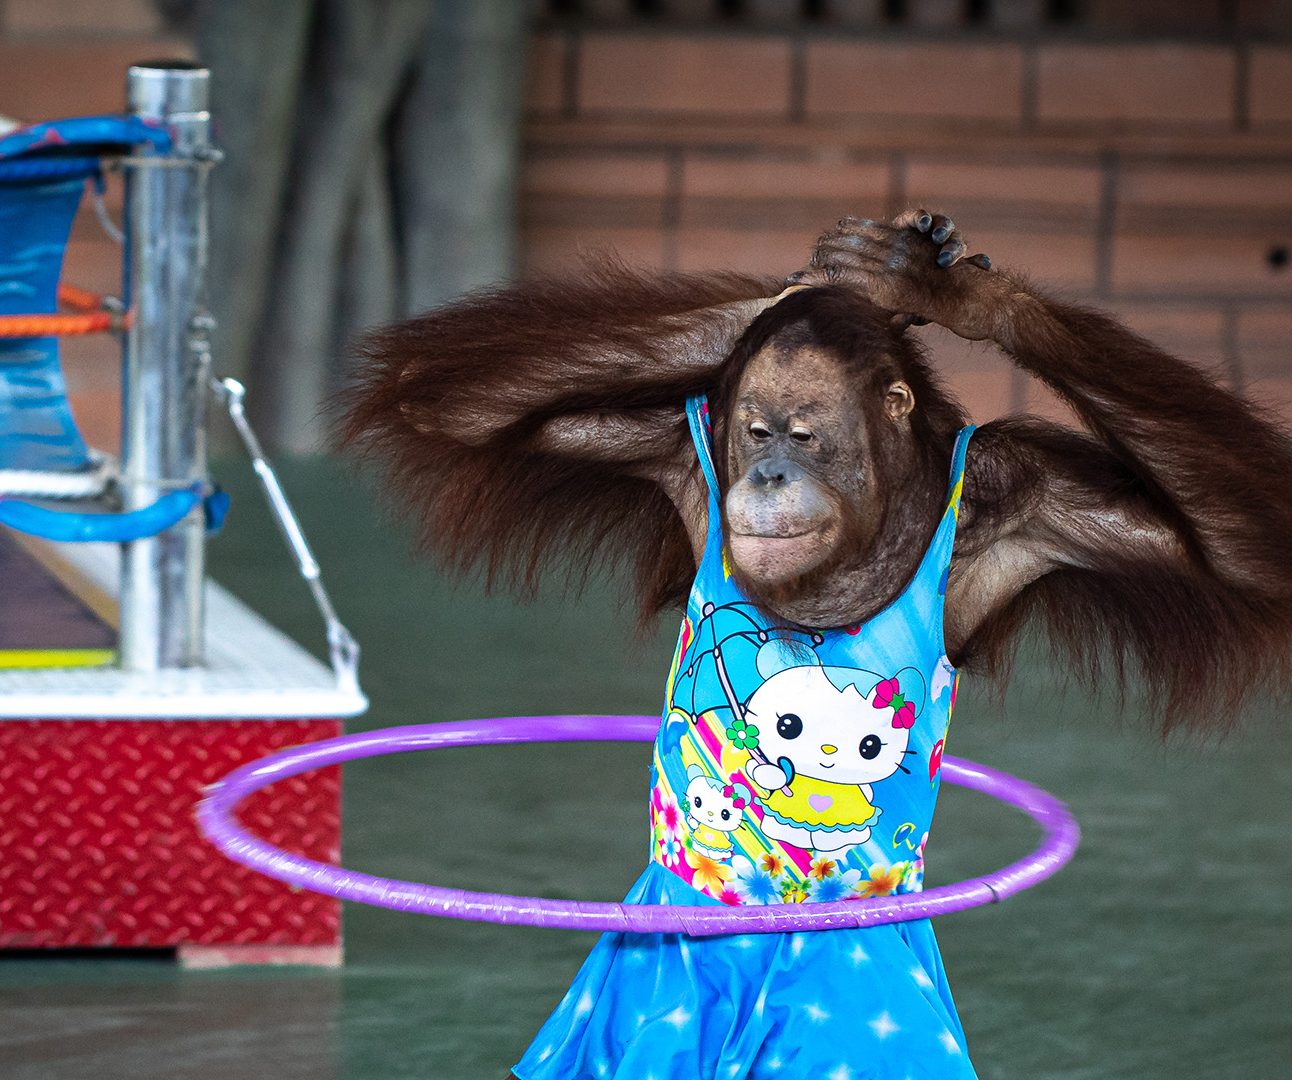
99,847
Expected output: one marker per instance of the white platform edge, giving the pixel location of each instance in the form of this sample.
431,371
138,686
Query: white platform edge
253,670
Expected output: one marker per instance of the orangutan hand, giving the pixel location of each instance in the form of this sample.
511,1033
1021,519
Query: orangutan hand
915,267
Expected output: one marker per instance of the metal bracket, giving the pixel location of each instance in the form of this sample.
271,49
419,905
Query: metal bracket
203,158
342,647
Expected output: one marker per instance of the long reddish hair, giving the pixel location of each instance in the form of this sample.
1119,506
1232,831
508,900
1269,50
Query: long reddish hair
501,506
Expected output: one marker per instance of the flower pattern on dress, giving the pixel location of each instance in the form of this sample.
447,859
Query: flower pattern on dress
668,815
822,868
754,884
743,736
772,863
670,850
711,876
883,881
834,887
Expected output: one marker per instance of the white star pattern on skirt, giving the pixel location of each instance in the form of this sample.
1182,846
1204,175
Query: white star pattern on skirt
883,1026
679,1018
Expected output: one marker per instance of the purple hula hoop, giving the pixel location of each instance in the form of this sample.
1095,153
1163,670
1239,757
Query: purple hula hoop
215,815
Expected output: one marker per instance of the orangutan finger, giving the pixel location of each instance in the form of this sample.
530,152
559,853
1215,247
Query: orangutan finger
952,251
983,262
943,227
919,220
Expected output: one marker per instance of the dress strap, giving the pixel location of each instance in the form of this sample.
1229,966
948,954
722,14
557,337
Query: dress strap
937,560
697,416
956,486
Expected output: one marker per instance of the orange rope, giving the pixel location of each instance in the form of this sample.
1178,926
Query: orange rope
93,319
79,299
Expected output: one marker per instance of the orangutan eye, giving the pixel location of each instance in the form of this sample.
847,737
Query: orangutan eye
759,430
800,434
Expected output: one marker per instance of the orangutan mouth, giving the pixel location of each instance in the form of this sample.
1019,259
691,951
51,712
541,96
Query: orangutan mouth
770,537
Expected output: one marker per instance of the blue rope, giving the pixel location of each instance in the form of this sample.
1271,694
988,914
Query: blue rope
75,526
86,131
34,170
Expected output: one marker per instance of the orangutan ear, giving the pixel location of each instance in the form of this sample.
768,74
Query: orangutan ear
899,402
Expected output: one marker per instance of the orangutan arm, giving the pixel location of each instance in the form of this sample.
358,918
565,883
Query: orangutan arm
1212,470
1161,532
649,444
1041,498
541,426
596,366
1204,468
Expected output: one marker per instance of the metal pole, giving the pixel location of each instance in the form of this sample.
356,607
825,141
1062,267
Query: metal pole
165,365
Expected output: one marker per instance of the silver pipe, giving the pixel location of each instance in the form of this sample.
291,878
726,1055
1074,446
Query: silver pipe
165,365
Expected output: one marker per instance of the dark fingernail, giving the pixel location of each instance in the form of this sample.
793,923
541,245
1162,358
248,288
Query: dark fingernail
939,234
985,262
924,222
944,258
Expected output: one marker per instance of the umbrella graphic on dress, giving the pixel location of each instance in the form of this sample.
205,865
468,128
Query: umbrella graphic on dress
721,656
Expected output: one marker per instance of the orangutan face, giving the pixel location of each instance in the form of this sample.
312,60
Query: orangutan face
802,492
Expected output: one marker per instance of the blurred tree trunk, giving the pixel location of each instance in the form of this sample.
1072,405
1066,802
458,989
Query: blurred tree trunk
371,151
258,55
362,55
458,132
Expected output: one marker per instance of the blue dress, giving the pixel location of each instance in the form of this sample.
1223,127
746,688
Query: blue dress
791,765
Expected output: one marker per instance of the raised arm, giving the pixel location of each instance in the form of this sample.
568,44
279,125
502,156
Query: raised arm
543,423
1163,531
585,365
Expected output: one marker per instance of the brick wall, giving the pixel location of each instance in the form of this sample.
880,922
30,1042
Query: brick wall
1151,178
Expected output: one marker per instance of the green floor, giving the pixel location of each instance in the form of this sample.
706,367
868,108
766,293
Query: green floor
1164,950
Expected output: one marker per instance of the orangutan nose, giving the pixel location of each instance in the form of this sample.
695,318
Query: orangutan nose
826,748
775,472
